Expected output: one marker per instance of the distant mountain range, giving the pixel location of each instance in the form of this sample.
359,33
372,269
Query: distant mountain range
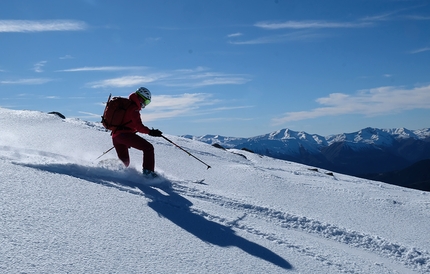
368,151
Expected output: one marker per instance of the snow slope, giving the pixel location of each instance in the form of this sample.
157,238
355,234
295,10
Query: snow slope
64,212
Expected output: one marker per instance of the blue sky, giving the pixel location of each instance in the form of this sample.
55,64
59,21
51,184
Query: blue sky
234,68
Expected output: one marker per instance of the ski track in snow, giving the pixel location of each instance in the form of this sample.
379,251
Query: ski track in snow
416,259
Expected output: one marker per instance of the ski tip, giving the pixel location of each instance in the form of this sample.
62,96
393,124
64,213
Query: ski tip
200,182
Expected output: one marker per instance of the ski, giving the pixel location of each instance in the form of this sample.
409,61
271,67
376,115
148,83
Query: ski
200,182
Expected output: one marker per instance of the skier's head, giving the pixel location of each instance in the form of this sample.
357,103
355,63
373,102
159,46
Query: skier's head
144,96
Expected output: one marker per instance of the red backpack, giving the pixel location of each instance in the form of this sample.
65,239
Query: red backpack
113,115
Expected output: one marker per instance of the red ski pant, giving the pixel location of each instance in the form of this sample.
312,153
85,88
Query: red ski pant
124,141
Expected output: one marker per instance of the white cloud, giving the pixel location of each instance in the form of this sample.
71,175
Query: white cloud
220,119
185,78
89,115
304,30
417,17
309,25
105,68
372,102
177,101
38,67
231,108
194,70
420,50
380,17
67,56
259,40
201,77
235,34
40,26
292,36
170,106
188,104
126,81
29,81
206,80
391,15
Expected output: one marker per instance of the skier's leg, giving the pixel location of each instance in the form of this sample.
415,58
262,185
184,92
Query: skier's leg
121,151
148,151
137,142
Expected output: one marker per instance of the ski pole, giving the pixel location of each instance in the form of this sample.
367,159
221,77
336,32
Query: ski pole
105,153
187,152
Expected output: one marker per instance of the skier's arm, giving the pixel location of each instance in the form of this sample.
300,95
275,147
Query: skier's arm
137,121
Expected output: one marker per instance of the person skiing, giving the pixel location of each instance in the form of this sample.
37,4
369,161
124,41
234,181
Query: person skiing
125,136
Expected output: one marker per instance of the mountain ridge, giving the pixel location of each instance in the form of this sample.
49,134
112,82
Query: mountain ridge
372,134
369,150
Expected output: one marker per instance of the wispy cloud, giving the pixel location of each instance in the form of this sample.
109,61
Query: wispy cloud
38,67
105,68
420,50
237,34
310,25
372,102
298,31
186,78
417,17
208,79
184,105
66,57
29,81
307,30
152,39
301,35
202,77
170,106
88,115
219,119
396,15
41,26
380,17
126,81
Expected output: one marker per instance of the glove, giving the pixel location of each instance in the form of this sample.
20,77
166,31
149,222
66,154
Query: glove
155,133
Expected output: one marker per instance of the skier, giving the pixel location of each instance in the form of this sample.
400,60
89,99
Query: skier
125,137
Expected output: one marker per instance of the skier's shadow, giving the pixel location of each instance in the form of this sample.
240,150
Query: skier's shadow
177,209
172,207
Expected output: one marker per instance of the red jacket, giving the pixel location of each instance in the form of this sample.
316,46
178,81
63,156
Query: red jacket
133,115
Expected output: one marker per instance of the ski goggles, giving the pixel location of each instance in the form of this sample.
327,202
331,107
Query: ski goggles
143,100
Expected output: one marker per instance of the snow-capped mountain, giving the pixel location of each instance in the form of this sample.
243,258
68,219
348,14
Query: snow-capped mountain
369,150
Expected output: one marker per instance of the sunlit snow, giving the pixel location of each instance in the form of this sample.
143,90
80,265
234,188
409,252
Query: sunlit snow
63,211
